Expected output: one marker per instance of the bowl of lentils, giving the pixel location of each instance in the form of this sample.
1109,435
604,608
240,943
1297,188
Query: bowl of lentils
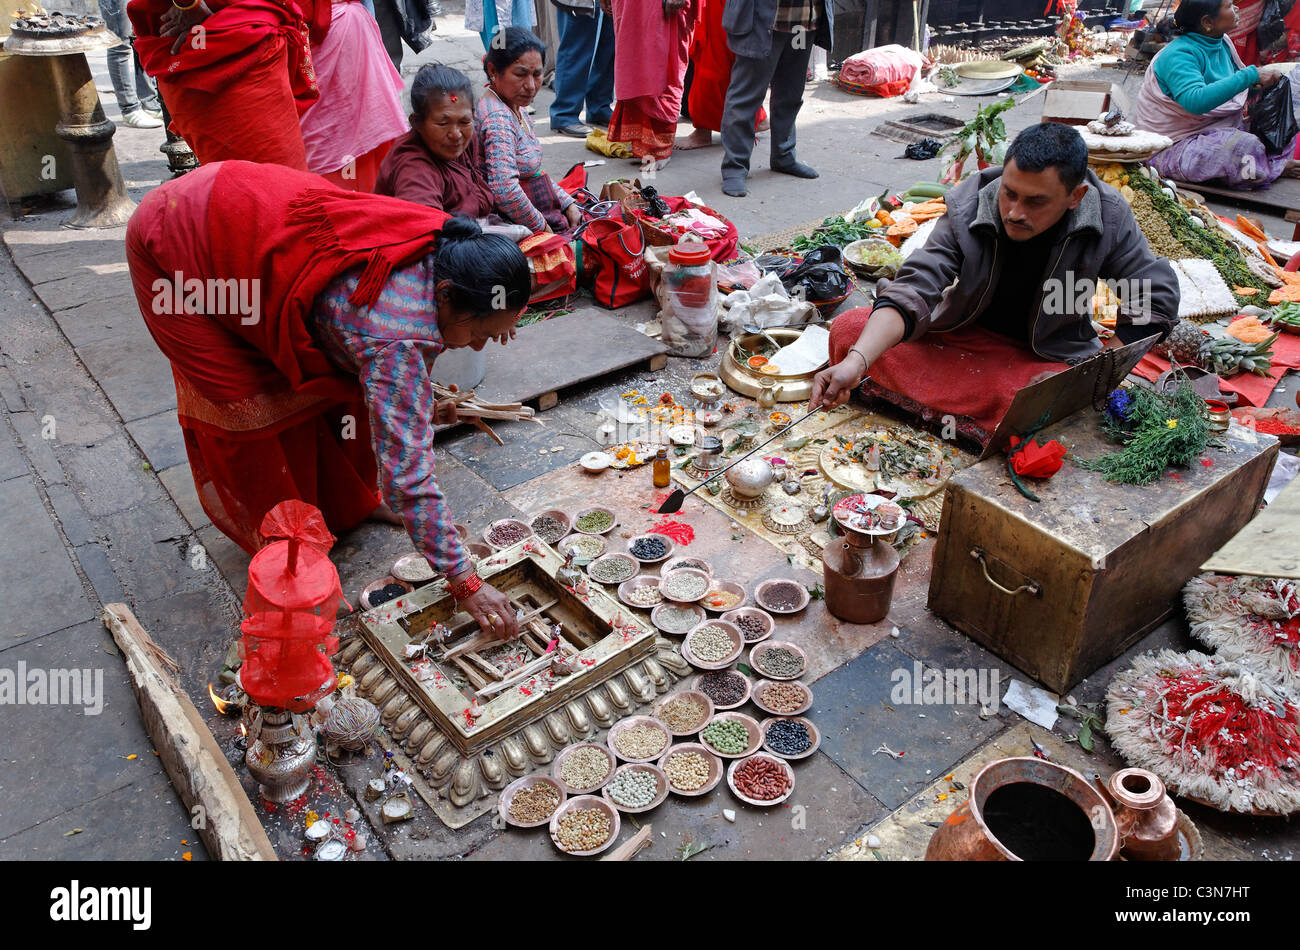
677,619
530,801
722,596
781,596
790,737
754,624
639,739
782,697
694,563
507,531
583,767
732,735
550,525
713,645
761,780
584,825
642,592
778,660
692,769
684,585
636,788
613,568
684,713
649,548
594,521
726,689
584,547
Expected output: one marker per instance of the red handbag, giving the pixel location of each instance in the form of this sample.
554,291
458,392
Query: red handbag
617,250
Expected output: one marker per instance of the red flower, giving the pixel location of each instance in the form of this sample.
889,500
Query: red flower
1037,461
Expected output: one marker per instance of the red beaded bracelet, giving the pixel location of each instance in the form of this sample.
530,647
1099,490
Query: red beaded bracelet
463,590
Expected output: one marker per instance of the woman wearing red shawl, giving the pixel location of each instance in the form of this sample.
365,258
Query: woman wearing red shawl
653,38
236,86
301,321
711,59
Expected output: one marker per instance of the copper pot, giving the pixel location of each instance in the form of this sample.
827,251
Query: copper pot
966,835
1146,817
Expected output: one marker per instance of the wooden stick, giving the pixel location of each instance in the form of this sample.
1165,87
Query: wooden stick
477,681
484,665
628,850
525,671
483,426
194,762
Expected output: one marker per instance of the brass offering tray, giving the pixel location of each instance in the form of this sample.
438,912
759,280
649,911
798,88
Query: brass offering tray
744,380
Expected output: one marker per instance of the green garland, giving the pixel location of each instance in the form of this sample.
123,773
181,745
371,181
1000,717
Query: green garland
1156,431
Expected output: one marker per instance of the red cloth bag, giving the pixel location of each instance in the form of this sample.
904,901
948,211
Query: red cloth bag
617,249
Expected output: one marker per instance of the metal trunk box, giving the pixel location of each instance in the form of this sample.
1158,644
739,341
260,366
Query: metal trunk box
1060,586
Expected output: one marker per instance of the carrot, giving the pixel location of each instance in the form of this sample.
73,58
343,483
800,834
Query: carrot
1250,229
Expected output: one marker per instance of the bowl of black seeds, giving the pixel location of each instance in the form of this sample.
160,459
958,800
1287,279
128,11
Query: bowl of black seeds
782,596
778,660
507,531
726,689
649,548
550,525
754,624
382,591
694,563
792,737
594,521
613,568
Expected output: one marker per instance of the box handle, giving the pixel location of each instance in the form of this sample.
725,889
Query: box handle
1032,587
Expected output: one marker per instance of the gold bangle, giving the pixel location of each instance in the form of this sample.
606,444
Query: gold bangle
185,9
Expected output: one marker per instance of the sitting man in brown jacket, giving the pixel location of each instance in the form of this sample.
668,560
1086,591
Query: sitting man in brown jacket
1001,292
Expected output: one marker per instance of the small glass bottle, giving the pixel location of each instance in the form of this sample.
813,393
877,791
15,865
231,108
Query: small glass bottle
662,474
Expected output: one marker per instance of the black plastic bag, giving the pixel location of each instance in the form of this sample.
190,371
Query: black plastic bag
926,148
656,207
821,275
1272,117
1271,25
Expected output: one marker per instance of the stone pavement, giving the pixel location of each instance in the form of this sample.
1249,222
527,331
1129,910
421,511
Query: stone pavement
94,481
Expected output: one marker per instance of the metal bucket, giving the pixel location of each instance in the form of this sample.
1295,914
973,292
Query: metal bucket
463,367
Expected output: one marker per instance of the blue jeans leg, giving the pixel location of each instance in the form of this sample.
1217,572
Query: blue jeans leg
572,66
600,88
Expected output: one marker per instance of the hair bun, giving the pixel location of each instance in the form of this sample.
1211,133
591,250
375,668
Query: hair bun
460,228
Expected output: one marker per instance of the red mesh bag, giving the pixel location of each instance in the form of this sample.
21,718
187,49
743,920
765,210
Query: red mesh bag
286,660
296,519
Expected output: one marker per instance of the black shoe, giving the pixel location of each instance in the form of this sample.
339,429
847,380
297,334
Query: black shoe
578,131
797,169
734,188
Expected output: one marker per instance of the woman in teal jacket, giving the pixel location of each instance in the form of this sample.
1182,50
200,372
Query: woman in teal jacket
1195,92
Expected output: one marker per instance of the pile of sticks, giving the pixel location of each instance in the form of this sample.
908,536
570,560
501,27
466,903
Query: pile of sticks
475,411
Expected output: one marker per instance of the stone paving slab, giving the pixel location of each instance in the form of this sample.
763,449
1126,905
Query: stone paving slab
160,439
179,482
851,708
109,318
96,473
12,463
49,255
76,290
38,585
135,377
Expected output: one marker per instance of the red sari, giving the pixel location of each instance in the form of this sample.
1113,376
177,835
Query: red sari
239,93
712,59
265,413
648,86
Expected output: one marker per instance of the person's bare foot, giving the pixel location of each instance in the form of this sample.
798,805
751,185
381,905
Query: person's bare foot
385,514
700,138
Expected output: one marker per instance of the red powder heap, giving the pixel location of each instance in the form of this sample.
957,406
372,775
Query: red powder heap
677,531
1275,427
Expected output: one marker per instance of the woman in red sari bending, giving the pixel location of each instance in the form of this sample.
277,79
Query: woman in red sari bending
301,321
650,43
235,74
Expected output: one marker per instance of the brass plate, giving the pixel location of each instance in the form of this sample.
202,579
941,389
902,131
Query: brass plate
745,381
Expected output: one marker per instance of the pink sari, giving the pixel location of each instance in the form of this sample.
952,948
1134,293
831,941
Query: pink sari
648,86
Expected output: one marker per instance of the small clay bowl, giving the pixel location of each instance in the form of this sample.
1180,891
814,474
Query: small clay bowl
769,623
686,560
715,768
737,643
668,548
594,462
813,734
559,516
694,694
729,588
661,787
694,608
518,785
685,571
462,531
568,751
749,690
625,724
413,569
478,550
587,511
578,804
755,658
751,727
756,802
581,560
643,580
614,558
757,697
487,533
761,590
376,585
